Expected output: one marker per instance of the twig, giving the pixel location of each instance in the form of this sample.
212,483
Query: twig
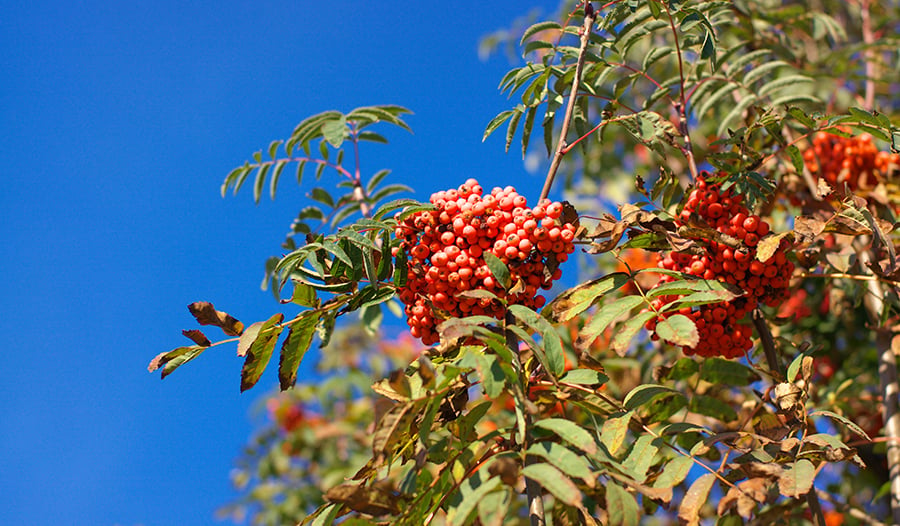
589,16
869,39
681,107
532,487
768,343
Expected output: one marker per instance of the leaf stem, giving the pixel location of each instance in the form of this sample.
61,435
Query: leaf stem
589,16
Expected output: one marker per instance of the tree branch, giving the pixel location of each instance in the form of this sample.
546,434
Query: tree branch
589,16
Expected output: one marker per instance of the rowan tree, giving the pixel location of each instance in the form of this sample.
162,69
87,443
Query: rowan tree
729,173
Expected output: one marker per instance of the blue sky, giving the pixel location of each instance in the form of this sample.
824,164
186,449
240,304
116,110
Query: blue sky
120,120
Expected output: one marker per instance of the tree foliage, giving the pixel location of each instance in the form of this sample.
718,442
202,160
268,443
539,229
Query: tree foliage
734,169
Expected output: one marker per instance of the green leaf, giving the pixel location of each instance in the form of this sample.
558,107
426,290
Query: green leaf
797,480
322,196
293,349
688,286
472,491
576,300
614,431
622,340
260,181
537,28
493,379
713,407
646,393
335,131
720,371
260,350
570,432
495,123
276,175
622,507
304,295
175,358
847,422
584,377
678,329
498,269
641,457
565,460
674,473
554,481
604,317
513,123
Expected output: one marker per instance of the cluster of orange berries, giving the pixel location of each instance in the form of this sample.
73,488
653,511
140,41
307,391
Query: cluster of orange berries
445,251
852,160
730,257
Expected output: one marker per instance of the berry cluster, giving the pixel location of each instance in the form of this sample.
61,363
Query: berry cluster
851,160
729,255
445,251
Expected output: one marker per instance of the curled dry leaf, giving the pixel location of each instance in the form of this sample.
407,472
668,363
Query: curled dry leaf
197,337
206,314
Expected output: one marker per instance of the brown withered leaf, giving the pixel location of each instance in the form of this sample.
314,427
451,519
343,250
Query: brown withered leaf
841,224
507,468
197,337
206,314
808,228
744,497
569,214
694,499
376,500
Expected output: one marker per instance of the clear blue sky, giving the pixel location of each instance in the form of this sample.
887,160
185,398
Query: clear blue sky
119,122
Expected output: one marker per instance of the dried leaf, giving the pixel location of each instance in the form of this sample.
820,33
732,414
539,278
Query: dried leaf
197,337
694,498
392,429
375,500
808,227
171,360
206,314
744,497
769,245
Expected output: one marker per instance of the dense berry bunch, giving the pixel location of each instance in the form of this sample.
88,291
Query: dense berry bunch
729,254
852,160
445,251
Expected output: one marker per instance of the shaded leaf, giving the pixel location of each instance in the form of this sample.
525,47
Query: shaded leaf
622,507
376,499
293,349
